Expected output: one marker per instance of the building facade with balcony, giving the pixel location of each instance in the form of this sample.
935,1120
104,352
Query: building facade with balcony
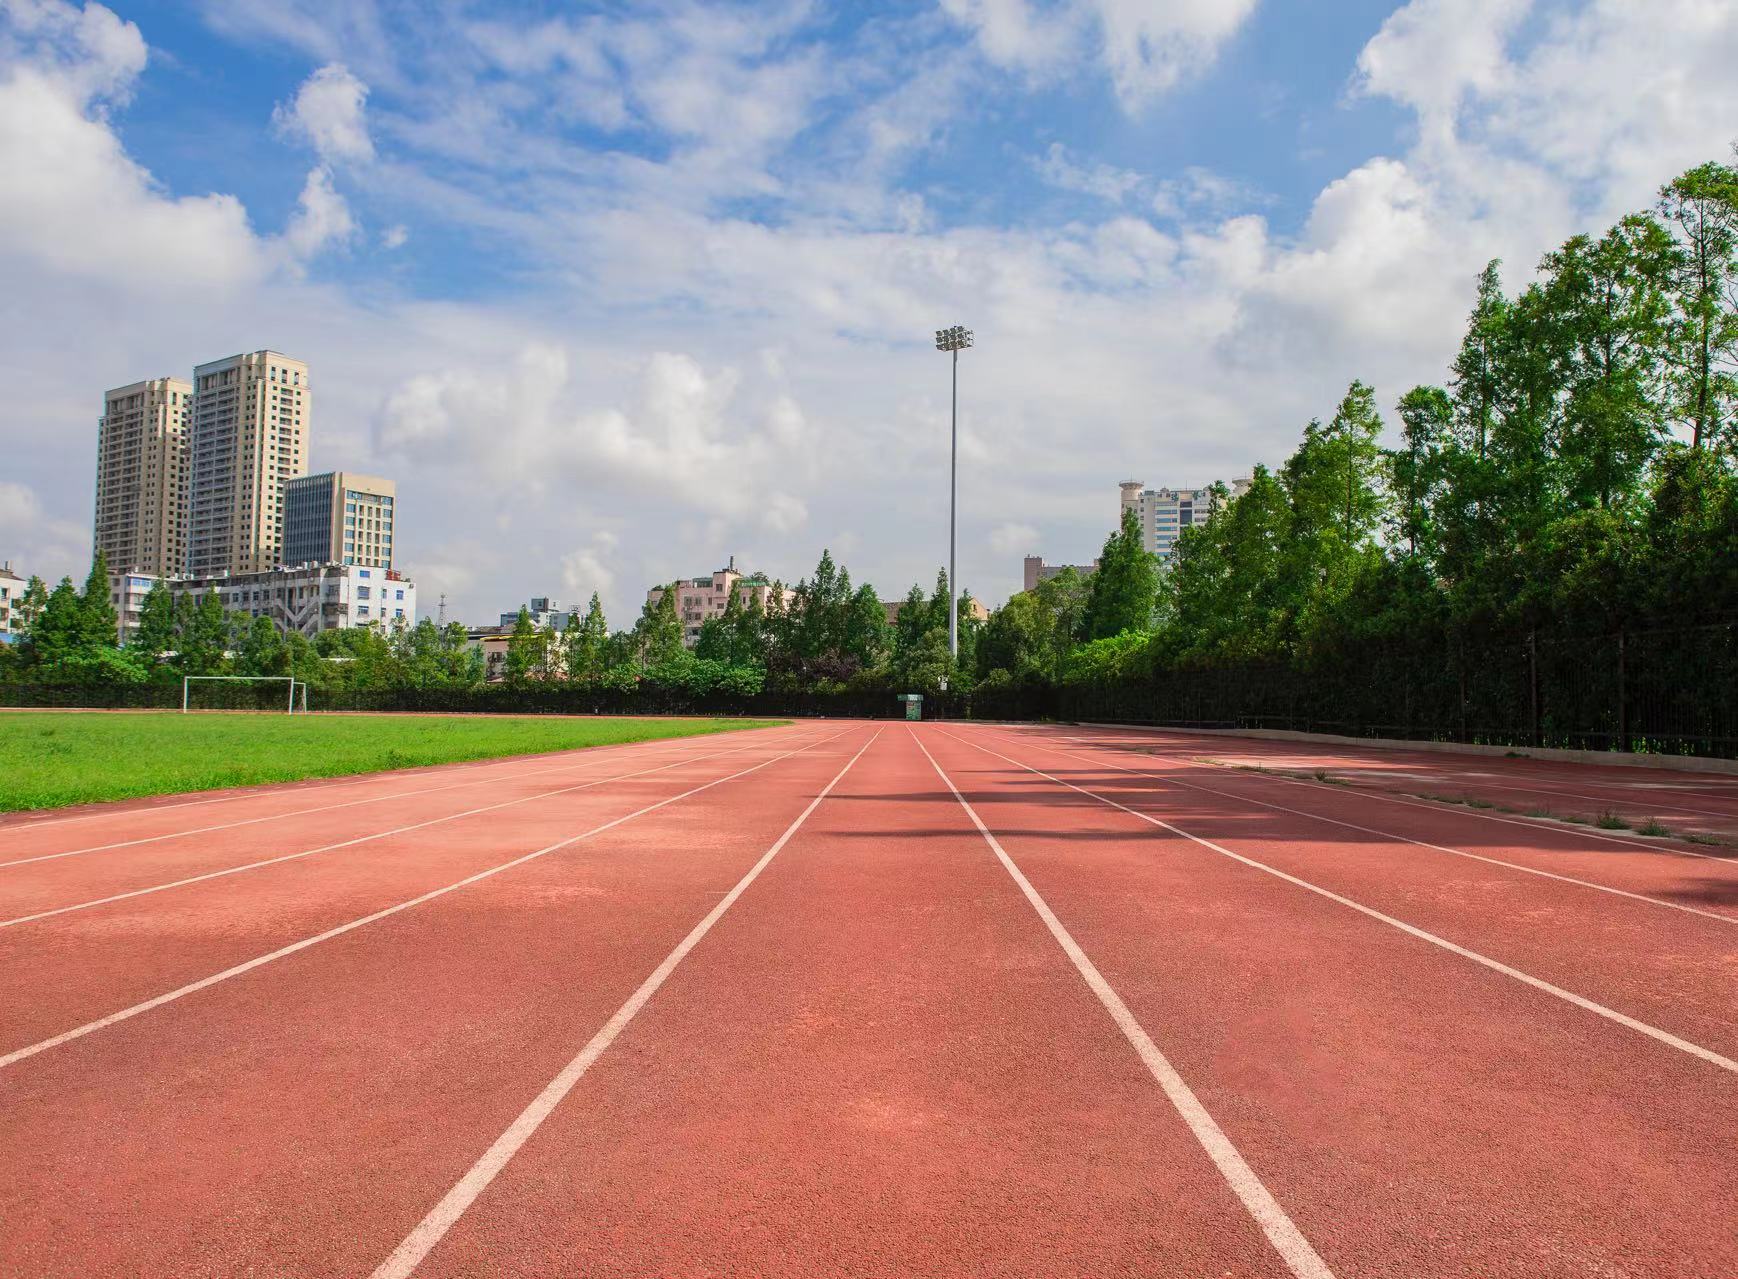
698,598
308,598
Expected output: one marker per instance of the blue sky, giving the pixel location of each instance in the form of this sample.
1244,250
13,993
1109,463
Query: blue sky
618,291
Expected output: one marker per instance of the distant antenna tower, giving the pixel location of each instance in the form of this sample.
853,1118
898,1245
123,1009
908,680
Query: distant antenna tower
443,620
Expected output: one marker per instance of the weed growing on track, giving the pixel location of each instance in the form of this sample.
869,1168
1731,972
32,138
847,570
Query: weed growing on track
1611,820
1653,827
49,760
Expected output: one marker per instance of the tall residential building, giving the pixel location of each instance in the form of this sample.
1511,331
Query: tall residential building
249,438
339,517
1164,513
142,475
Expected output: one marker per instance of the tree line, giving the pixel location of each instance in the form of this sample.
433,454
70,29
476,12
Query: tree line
1574,476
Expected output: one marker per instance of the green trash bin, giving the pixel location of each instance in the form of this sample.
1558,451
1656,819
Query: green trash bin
913,705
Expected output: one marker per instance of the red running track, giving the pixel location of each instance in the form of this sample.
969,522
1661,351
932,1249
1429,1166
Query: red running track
858,999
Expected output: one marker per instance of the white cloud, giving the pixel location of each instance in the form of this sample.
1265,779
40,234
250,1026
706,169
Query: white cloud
1105,181
37,542
1014,539
329,113
322,216
394,237
1144,48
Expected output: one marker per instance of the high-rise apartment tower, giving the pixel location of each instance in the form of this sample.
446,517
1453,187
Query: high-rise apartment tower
339,517
249,437
142,476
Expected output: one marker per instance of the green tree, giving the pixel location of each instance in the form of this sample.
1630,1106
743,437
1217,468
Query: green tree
1702,349
583,642
97,622
658,633
202,634
156,633
525,648
1123,594
261,651
31,603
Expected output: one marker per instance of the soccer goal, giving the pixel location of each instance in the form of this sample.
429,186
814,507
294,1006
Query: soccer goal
187,682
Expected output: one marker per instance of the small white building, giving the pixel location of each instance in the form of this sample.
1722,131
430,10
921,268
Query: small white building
12,589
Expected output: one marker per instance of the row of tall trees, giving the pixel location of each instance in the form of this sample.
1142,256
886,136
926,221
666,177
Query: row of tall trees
1575,475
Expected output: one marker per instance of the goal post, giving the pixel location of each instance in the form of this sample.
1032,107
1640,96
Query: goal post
187,682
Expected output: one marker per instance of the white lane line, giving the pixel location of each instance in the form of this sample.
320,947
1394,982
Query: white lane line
1257,1200
1568,996
1525,823
432,1228
361,839
302,812
259,961
1385,834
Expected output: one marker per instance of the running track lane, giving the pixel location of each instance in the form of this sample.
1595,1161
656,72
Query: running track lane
1666,966
114,827
296,1120
878,1063
57,882
87,964
1416,1114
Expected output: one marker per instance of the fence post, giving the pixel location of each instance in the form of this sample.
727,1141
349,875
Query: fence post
1622,693
1533,683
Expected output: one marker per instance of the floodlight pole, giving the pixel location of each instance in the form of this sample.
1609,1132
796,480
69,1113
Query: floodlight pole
954,340
953,490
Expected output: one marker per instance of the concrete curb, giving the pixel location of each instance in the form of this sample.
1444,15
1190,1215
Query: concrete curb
1682,763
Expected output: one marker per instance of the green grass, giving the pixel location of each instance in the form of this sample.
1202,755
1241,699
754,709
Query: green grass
1611,819
49,760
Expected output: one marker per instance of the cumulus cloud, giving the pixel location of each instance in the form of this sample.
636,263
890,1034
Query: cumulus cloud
329,114
322,216
1145,49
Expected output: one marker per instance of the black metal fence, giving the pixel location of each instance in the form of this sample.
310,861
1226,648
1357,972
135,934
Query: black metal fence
1659,691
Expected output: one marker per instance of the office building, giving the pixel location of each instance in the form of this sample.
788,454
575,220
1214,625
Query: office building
698,598
127,592
339,517
142,476
248,439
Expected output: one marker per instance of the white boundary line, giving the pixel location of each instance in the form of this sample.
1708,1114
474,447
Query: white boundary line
434,1226
322,808
1526,823
1287,1240
1385,834
1568,996
259,961
361,839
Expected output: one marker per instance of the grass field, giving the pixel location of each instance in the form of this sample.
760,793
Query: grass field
49,760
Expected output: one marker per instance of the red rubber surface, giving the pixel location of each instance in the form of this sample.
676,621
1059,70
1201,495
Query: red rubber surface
879,1060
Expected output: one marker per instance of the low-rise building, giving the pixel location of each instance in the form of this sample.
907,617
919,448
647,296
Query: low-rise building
127,592
974,608
12,589
308,598
492,643
1038,571
546,614
698,598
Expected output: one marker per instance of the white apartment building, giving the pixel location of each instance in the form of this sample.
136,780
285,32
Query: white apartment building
249,438
127,592
11,591
310,598
142,476
1164,513
698,598
545,614
339,517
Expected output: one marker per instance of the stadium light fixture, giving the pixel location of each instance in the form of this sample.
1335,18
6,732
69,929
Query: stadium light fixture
953,340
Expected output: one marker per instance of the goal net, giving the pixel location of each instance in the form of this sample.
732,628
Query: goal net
243,693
